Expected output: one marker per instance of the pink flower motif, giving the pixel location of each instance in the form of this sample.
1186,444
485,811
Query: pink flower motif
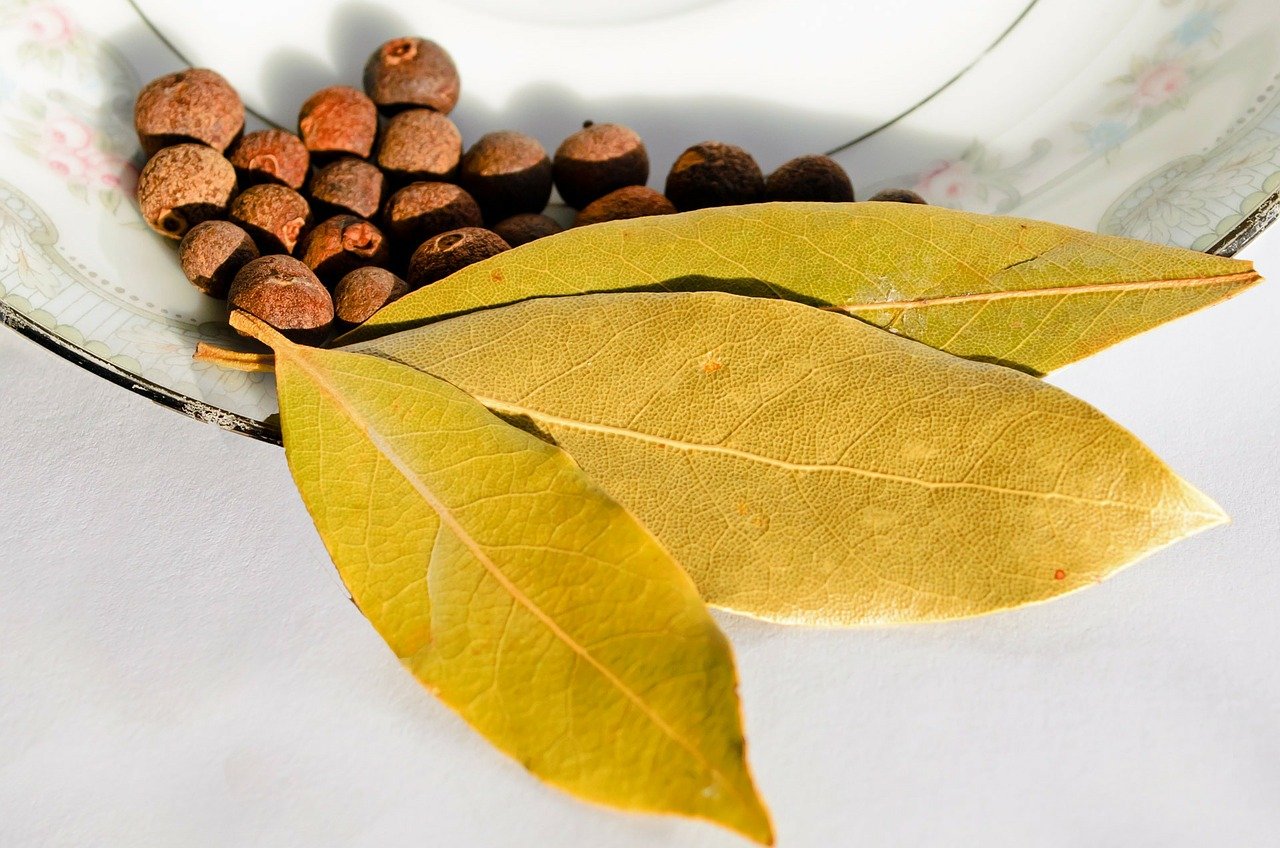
49,25
66,164
948,182
110,172
1159,83
68,134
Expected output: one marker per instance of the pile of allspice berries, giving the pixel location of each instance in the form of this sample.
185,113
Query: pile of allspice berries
374,196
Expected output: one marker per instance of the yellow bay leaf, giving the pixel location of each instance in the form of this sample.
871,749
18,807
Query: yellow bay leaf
808,468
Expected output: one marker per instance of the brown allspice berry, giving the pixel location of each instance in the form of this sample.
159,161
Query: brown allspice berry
364,291
526,227
183,185
412,72
338,120
812,178
284,293
626,202
598,159
348,185
211,253
341,244
419,144
192,106
714,174
898,195
275,215
270,156
442,255
421,210
507,173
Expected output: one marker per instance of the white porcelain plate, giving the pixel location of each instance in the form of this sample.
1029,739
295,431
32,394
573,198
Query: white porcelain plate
1158,119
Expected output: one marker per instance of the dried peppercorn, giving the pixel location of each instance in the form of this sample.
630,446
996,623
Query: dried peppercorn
347,185
338,120
898,195
526,227
809,178
507,173
341,244
211,253
285,294
442,255
363,292
270,156
598,159
192,106
419,144
409,72
183,185
275,215
714,174
626,202
421,210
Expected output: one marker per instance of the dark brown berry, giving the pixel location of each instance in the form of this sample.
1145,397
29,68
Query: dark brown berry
212,253
364,291
627,202
898,195
283,292
275,215
183,185
270,156
816,178
192,106
714,174
507,173
419,144
338,120
348,185
442,255
598,159
341,244
526,227
409,72
421,210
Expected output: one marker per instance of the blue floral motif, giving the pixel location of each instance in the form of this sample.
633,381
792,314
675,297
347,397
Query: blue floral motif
1196,27
1106,135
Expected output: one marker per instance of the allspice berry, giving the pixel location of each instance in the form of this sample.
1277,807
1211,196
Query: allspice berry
627,202
275,215
526,227
338,120
283,292
507,173
419,144
192,106
421,210
442,255
341,244
714,174
898,195
598,159
817,178
212,253
363,292
348,185
270,156
409,72
183,185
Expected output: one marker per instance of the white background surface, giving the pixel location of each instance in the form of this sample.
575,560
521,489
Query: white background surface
179,665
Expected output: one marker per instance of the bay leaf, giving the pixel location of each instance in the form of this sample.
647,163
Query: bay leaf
515,589
1028,294
806,468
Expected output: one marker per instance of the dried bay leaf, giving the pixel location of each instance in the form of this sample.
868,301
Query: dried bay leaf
515,589
807,468
1028,294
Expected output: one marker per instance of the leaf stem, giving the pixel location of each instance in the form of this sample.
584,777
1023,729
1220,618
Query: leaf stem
236,360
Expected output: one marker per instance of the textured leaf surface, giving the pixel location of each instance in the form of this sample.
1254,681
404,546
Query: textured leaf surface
1025,293
808,468
517,590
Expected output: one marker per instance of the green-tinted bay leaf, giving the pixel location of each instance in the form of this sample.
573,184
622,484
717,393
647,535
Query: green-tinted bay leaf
808,468
515,589
1024,293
